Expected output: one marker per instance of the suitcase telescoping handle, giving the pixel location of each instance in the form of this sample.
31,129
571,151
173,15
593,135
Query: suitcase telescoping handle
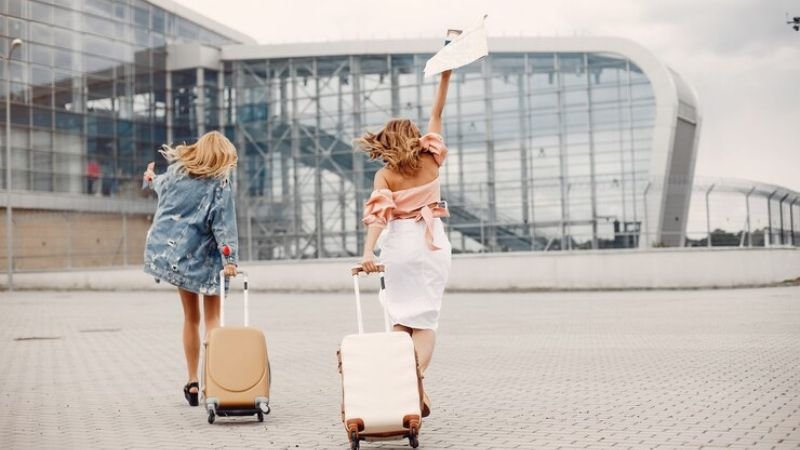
355,271
222,280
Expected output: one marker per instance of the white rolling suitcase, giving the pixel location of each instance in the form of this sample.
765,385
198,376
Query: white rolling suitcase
381,385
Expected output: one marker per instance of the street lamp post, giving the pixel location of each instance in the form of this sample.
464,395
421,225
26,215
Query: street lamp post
9,233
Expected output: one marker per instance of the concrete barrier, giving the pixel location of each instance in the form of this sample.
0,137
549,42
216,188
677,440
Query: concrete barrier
669,268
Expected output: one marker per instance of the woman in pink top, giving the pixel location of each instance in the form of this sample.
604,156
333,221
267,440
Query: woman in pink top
404,210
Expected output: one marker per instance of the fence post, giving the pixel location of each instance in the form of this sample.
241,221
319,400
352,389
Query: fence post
791,221
646,220
69,239
124,238
249,235
708,215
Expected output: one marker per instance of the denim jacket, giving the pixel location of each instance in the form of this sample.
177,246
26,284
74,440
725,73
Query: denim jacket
194,227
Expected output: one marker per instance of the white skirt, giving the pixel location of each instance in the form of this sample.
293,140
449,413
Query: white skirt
415,275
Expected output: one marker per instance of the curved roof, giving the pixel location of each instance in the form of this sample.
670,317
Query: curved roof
665,81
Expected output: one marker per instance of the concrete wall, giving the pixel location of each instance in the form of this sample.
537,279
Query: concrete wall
59,240
607,269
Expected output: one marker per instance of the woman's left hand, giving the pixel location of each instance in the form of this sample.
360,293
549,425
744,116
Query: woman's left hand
149,173
230,270
368,263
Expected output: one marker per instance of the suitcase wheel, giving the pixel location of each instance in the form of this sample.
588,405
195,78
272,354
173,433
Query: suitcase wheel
354,441
260,416
211,416
413,438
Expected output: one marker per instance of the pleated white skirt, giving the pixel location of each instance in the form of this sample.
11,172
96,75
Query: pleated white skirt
415,275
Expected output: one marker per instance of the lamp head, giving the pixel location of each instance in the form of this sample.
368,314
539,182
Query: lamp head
17,42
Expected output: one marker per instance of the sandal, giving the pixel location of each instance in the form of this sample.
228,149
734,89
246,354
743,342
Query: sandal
191,397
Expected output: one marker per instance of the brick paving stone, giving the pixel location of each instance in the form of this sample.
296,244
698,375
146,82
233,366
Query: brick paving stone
608,370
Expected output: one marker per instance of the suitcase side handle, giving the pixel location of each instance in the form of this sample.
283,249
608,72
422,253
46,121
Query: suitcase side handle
222,280
355,271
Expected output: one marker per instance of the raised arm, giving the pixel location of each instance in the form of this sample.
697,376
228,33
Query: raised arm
435,124
152,181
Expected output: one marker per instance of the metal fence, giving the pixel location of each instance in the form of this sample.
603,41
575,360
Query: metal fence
57,232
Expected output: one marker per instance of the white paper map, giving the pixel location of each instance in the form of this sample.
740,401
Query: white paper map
470,46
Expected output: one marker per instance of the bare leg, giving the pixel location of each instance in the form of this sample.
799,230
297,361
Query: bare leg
191,332
424,341
401,328
211,312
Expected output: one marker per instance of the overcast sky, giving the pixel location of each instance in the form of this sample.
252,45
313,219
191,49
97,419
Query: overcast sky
739,55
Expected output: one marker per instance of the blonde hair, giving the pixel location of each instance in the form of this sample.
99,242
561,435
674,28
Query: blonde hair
212,156
397,145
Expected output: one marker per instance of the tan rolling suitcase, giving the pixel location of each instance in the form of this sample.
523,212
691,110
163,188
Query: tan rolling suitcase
381,388
236,372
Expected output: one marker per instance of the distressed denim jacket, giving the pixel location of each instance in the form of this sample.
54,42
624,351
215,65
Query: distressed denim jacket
193,233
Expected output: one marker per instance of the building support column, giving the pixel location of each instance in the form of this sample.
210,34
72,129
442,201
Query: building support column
170,110
768,242
592,168
747,211
285,185
459,81
522,109
200,105
297,208
420,84
221,97
632,146
394,81
562,156
242,189
490,156
359,180
318,204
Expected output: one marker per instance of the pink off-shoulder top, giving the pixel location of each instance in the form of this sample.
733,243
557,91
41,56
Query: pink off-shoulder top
419,202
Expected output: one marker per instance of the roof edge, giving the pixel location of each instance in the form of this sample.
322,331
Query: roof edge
205,21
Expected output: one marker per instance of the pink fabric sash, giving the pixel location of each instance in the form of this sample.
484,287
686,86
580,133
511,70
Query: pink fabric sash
413,203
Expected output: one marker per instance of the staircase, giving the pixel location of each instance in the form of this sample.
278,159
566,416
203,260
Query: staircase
466,217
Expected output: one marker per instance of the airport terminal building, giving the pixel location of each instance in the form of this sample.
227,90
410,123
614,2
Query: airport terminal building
556,143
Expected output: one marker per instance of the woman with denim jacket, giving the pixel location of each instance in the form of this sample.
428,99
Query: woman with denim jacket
194,235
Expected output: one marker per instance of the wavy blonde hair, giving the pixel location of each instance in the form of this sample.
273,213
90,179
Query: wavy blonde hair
212,156
397,145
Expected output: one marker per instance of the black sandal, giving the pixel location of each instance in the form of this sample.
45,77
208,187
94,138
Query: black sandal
192,397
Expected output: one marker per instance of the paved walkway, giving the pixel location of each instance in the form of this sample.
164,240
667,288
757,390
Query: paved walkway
710,369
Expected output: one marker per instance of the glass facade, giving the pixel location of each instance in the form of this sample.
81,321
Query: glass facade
89,91
548,150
